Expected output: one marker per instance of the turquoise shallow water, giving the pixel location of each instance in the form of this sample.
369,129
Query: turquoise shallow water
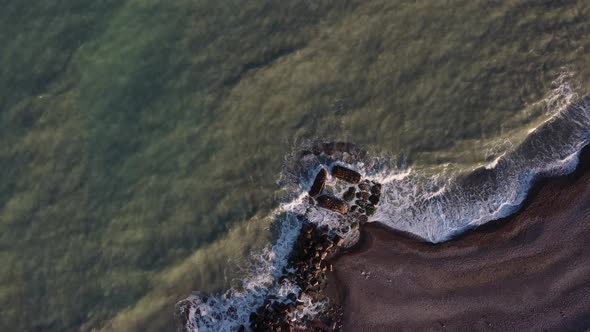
141,141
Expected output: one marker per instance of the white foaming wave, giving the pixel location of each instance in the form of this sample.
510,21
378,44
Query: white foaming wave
492,164
562,95
229,311
436,209
439,215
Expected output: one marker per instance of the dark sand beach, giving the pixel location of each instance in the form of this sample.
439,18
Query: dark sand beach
528,272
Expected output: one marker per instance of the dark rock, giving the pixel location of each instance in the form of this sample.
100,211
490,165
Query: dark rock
354,208
362,195
376,189
364,186
361,203
319,183
313,244
370,210
374,199
346,174
242,328
349,194
333,204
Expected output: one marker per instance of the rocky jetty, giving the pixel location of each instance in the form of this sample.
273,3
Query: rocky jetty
307,269
308,308
349,194
307,264
346,174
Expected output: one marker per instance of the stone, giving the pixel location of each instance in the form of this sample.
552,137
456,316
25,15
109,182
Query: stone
346,174
370,210
374,199
349,194
362,195
333,204
364,186
319,183
376,189
361,203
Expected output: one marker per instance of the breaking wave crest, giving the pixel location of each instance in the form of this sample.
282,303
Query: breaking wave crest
434,208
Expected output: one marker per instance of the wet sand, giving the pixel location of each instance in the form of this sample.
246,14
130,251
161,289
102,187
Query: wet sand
528,272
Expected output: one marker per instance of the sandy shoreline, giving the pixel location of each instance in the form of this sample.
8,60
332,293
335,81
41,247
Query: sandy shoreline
530,271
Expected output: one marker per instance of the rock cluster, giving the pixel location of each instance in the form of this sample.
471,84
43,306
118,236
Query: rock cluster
307,269
307,265
362,201
367,198
345,193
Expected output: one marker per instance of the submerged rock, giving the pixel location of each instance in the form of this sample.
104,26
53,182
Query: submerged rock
349,194
319,183
333,204
334,147
346,174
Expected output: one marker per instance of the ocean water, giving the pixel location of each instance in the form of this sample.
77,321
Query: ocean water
149,148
